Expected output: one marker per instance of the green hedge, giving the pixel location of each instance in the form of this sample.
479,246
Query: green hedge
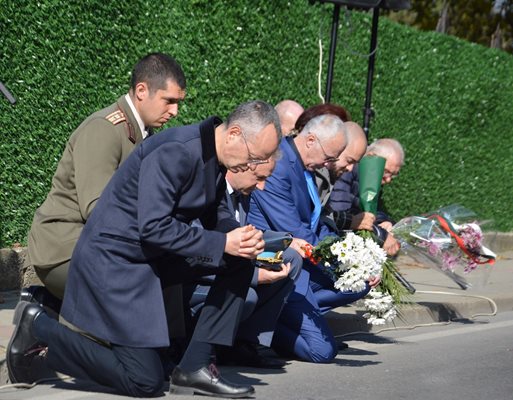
446,100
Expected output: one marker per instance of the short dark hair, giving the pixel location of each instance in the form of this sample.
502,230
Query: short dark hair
156,69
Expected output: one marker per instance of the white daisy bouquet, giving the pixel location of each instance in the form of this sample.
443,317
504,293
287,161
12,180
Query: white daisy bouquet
355,261
351,261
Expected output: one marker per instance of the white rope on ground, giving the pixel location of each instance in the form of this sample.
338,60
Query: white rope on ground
410,327
492,303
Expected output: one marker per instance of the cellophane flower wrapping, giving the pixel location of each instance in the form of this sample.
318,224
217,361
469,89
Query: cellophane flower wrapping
351,260
449,238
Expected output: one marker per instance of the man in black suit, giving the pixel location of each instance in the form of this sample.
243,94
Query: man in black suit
269,288
138,240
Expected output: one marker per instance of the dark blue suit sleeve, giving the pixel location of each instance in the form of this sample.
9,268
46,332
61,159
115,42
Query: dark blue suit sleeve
162,181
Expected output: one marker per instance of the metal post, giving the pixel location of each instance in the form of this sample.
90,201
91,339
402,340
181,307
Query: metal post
333,48
368,113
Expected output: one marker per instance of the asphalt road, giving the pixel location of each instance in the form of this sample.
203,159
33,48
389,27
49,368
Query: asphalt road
470,360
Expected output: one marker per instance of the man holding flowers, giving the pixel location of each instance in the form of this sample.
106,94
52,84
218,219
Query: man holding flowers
290,203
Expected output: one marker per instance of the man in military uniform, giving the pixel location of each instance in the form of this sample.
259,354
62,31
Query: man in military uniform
92,155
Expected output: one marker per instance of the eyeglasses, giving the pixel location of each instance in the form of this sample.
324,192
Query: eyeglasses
327,159
252,160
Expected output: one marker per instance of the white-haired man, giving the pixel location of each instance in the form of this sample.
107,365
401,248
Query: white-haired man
344,198
290,202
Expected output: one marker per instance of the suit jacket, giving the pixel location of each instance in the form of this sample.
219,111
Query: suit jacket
285,204
141,228
92,155
345,194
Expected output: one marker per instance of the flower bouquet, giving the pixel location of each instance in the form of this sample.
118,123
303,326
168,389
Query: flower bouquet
449,238
351,261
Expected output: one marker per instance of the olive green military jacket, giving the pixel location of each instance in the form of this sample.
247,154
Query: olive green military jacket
93,153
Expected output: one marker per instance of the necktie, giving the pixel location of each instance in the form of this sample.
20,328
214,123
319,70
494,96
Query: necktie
235,198
312,191
243,208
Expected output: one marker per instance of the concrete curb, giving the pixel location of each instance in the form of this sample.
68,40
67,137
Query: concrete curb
499,242
15,269
11,263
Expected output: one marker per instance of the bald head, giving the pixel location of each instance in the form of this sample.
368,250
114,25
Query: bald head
392,151
354,151
288,112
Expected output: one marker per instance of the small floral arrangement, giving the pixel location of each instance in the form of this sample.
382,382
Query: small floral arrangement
380,308
351,261
450,238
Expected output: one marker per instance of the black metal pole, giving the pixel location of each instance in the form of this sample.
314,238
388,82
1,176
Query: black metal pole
333,48
7,94
368,113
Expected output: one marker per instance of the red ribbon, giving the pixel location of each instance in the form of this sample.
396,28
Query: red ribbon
446,226
309,249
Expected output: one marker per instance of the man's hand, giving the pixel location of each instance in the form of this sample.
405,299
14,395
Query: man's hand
266,276
391,245
364,221
246,242
374,281
299,245
387,225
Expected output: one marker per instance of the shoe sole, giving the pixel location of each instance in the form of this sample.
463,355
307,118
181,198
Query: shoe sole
189,391
18,312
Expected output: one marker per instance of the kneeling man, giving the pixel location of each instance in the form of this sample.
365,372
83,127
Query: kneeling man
138,240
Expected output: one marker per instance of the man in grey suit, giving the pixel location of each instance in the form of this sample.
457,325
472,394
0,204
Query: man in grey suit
139,239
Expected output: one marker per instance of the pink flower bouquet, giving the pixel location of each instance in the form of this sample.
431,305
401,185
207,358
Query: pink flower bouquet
450,238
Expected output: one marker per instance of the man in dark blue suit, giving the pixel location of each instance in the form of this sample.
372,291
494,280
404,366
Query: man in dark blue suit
138,240
290,202
269,289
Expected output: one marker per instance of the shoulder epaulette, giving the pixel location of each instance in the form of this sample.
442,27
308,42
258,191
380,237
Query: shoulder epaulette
116,117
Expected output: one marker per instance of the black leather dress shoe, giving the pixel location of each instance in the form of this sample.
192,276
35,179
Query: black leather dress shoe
246,354
206,381
24,352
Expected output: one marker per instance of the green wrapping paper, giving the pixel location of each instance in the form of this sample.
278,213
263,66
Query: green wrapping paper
371,170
